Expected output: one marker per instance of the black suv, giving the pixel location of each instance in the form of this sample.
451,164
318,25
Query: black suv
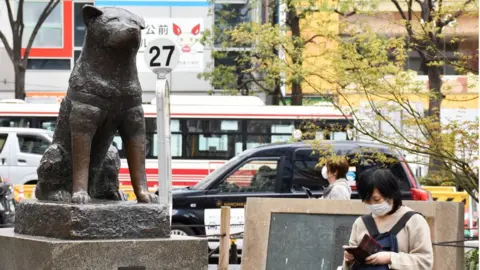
277,170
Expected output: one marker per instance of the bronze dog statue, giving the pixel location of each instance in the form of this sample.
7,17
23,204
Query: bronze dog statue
104,96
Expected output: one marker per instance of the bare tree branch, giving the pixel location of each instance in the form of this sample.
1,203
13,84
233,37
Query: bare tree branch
440,6
457,14
400,10
311,39
18,31
351,13
19,13
10,14
46,12
6,45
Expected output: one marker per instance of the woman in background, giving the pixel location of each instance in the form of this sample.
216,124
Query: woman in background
335,171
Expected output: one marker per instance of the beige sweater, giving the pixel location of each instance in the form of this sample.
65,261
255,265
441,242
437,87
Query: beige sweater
414,242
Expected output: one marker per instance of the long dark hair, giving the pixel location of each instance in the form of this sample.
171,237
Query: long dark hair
383,180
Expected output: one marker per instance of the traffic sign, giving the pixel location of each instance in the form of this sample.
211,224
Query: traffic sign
161,55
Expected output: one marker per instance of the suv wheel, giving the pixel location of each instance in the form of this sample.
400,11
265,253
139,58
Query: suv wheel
180,229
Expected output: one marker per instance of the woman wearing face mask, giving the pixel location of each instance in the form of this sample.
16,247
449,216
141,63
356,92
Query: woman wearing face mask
335,172
379,190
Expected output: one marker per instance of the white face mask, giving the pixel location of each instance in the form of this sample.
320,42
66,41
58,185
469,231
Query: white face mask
324,172
380,209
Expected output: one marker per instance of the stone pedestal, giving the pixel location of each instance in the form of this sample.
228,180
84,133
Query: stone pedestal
23,252
98,220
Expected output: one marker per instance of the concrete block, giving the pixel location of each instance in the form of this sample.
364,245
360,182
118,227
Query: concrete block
22,252
98,220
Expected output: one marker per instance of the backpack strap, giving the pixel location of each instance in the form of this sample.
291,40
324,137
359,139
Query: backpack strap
370,224
402,222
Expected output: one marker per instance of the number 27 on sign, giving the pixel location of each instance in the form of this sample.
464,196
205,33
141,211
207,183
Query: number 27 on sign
156,51
161,53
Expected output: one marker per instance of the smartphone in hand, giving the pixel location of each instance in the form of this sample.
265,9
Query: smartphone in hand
367,247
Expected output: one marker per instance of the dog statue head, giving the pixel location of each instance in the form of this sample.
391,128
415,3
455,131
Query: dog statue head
112,28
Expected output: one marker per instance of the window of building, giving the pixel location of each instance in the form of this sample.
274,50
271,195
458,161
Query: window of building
228,55
32,144
227,16
48,64
254,176
448,50
79,29
50,34
76,55
78,24
232,65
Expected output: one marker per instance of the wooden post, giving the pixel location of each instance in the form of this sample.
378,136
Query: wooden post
224,240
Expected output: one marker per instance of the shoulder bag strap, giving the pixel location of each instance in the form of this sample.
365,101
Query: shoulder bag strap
402,222
370,224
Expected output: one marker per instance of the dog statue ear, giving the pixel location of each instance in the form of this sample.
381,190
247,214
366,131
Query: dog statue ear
89,13
141,22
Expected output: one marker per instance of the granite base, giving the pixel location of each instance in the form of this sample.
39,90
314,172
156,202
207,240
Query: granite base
23,252
97,220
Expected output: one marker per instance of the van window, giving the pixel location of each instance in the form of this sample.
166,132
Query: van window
3,139
32,144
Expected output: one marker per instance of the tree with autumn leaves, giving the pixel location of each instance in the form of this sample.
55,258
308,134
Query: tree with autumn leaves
330,50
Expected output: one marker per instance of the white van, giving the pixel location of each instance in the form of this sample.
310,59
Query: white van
20,152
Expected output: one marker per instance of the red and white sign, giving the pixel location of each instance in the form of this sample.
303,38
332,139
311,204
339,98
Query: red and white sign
186,33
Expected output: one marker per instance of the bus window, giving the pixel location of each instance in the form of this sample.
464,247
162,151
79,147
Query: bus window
213,146
262,132
213,138
213,126
324,129
152,138
339,136
175,145
49,125
15,122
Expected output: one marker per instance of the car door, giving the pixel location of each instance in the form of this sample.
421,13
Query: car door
306,174
4,156
255,177
30,149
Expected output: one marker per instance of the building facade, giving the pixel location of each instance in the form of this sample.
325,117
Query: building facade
59,42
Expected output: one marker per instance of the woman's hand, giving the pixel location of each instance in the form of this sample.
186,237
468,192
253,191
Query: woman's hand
348,257
379,258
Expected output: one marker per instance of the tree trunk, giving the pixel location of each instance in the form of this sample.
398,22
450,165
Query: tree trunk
434,107
297,95
274,97
20,72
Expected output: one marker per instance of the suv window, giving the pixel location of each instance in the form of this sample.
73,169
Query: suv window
3,139
32,144
253,176
306,173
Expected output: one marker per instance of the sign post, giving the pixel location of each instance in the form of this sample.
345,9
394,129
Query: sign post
161,57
